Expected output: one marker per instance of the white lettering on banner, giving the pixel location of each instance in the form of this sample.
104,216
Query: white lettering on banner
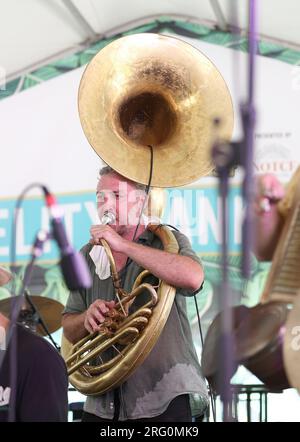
92,212
68,211
275,166
4,396
206,225
238,217
4,214
21,247
208,220
179,215
196,212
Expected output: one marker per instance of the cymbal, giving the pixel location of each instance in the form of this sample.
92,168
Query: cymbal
256,333
150,89
291,345
5,276
49,309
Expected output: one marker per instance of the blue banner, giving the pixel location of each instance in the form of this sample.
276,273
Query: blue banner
195,211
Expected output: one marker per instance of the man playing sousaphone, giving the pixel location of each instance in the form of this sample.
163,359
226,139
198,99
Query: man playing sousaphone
147,105
161,388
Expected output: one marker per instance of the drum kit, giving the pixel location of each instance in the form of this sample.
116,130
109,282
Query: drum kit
267,343
40,314
259,335
267,337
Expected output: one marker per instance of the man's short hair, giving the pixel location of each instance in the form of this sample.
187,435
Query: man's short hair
105,170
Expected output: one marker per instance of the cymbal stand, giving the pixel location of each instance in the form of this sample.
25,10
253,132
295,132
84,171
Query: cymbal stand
225,157
40,320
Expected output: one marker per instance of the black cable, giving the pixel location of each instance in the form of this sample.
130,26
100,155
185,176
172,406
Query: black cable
170,225
146,191
15,307
129,261
212,398
12,331
12,258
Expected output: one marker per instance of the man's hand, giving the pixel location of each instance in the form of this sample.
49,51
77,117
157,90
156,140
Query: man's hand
269,191
268,221
96,313
114,240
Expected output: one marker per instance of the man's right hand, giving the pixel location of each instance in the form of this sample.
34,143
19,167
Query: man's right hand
269,191
268,221
96,314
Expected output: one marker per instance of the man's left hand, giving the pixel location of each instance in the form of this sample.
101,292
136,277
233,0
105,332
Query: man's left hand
114,240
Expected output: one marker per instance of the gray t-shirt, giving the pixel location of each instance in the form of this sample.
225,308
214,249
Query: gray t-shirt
171,368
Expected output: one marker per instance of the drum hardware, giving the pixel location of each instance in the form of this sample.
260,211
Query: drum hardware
258,334
266,335
39,314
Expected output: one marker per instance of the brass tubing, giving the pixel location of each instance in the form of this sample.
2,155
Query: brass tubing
101,348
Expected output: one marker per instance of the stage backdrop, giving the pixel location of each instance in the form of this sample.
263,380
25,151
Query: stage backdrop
42,141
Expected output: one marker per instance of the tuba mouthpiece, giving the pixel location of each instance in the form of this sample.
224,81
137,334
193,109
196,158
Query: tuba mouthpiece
108,218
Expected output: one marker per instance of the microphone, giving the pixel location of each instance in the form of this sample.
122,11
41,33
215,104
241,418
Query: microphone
108,218
74,268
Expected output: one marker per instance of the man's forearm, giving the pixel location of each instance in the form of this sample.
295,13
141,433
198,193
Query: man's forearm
267,232
73,326
177,270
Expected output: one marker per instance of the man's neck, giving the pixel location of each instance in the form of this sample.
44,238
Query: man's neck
130,231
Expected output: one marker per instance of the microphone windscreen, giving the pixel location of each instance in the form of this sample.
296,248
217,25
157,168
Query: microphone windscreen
75,271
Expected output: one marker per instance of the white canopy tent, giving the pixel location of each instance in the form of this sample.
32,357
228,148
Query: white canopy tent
35,32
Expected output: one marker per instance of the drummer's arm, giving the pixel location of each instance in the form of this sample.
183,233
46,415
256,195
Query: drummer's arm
268,221
268,228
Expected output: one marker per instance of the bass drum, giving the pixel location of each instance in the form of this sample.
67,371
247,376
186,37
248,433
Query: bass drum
211,353
258,334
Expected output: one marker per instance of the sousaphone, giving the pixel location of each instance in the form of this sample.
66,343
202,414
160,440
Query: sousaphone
139,91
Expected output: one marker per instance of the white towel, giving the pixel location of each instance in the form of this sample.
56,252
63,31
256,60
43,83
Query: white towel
102,266
99,256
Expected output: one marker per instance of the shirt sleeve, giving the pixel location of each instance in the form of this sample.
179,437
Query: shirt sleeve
185,249
76,302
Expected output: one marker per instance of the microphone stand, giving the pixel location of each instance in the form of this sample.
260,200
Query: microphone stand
226,156
40,319
248,117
